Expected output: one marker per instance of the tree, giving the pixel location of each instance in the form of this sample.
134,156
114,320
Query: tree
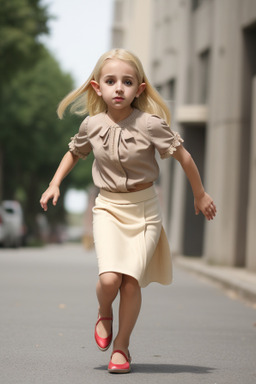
35,140
32,139
21,23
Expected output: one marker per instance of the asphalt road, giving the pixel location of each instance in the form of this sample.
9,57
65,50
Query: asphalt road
189,332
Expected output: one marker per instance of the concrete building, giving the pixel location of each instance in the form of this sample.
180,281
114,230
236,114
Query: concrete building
201,56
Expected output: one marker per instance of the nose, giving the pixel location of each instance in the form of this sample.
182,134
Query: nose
119,87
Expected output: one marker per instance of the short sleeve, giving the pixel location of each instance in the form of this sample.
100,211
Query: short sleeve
79,144
162,137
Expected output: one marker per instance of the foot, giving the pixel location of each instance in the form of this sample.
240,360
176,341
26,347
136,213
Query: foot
121,367
119,358
103,332
104,326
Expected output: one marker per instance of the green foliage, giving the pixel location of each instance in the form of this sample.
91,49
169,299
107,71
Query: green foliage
32,138
21,22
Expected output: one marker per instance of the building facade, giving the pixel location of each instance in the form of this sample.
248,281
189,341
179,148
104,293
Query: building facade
201,56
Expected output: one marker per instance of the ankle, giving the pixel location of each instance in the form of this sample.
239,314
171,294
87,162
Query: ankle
105,312
121,344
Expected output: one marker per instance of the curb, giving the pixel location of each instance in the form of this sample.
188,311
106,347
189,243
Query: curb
239,280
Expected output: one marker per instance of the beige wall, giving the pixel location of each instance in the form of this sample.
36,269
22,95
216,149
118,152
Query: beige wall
251,224
132,28
203,61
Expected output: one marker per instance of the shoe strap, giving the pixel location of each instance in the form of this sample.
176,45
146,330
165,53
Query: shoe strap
104,318
122,353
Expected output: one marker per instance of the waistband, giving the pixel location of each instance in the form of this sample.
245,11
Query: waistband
129,197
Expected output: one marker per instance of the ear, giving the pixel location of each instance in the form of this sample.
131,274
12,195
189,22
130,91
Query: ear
96,87
141,88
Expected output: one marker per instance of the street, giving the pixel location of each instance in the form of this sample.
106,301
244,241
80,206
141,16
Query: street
189,333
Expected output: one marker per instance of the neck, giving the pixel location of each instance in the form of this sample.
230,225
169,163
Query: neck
119,115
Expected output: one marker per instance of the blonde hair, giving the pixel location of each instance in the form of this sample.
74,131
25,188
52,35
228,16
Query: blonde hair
85,100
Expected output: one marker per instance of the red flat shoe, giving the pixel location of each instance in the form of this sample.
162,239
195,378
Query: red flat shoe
103,342
120,368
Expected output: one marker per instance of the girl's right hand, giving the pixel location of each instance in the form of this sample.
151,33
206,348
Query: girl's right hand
53,192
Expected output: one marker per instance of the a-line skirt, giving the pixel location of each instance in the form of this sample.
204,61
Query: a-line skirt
129,237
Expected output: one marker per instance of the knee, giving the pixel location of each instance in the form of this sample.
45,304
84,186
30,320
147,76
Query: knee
110,282
130,286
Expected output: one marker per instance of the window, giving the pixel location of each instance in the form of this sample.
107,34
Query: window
204,78
196,4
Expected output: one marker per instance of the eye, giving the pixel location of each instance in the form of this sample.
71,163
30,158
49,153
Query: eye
110,81
128,82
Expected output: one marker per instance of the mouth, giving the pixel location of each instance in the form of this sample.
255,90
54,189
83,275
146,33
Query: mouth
118,99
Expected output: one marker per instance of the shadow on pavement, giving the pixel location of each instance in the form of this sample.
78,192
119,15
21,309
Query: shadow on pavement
165,368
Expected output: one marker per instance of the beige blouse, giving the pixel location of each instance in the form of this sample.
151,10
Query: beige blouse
124,153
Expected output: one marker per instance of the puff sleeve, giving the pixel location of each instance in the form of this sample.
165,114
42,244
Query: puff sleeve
79,144
162,137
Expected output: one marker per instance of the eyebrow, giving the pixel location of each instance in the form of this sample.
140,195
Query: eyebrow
113,75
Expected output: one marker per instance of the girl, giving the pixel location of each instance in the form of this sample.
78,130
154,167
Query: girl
127,121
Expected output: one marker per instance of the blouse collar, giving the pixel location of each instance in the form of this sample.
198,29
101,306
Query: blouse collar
123,123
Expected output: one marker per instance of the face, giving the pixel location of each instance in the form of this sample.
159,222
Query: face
118,85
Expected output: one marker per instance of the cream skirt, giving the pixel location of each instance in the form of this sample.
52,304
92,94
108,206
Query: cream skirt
129,237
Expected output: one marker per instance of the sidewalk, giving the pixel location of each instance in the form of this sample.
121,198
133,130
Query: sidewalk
237,280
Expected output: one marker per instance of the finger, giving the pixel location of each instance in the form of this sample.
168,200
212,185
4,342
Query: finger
212,214
213,207
197,211
44,206
209,214
213,211
43,203
55,199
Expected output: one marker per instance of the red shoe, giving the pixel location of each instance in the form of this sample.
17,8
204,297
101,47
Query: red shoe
120,368
103,342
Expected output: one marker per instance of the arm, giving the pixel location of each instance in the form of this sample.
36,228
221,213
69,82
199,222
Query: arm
53,192
202,201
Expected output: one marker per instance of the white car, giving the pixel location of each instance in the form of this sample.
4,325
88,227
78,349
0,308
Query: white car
2,230
11,223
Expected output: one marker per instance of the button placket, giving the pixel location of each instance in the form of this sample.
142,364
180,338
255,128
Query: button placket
114,141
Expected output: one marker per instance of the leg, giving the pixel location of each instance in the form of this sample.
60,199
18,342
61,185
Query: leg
107,290
130,304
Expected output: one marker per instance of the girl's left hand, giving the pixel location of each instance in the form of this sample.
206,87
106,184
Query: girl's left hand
206,205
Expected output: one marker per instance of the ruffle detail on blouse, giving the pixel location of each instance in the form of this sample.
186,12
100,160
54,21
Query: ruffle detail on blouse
177,140
73,148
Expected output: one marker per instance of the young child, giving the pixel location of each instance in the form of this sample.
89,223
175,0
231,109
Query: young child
127,121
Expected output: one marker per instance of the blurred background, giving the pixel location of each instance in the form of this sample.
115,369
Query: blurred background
199,54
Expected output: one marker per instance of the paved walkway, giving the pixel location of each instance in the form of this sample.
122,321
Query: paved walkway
187,333
237,281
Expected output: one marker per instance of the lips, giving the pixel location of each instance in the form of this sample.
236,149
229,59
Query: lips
118,99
